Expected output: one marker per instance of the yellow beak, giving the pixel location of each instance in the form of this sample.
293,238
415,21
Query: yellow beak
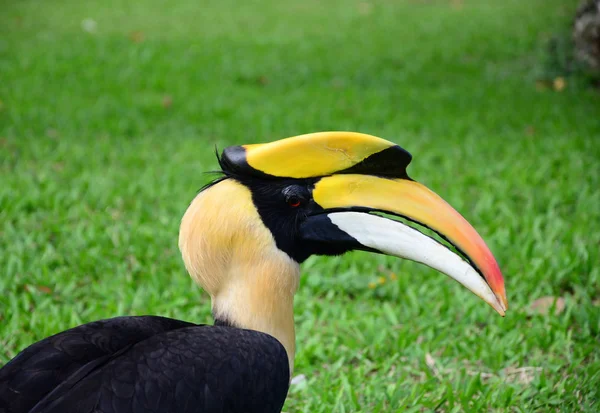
411,200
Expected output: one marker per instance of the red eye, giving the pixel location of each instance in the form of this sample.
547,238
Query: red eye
294,201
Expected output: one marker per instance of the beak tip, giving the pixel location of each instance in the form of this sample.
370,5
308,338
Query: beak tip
502,303
499,307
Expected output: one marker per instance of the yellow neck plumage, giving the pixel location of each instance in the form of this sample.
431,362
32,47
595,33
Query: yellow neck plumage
230,253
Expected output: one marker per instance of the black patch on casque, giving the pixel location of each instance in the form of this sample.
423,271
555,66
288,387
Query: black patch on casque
390,162
233,161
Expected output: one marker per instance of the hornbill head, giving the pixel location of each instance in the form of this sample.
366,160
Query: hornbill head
243,237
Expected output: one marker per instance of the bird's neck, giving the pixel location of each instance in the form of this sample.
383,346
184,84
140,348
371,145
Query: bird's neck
261,297
232,255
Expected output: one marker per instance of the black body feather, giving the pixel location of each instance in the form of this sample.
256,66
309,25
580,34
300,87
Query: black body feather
147,364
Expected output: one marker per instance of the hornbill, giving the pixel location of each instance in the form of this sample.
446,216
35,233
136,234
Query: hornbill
242,239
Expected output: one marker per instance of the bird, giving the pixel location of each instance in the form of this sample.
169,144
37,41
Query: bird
242,240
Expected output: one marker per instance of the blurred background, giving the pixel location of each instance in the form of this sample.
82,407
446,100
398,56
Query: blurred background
110,113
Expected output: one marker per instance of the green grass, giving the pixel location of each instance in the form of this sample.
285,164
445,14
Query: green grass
97,168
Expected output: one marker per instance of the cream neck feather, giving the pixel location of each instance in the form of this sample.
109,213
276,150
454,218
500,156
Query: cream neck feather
230,253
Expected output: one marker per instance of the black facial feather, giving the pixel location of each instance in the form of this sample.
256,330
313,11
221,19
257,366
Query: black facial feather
228,170
272,201
285,205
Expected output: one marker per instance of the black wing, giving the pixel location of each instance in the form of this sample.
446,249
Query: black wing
159,365
38,369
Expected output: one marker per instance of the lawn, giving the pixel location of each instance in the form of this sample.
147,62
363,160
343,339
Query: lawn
109,115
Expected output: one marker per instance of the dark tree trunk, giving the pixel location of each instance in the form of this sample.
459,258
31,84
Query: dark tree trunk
586,34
